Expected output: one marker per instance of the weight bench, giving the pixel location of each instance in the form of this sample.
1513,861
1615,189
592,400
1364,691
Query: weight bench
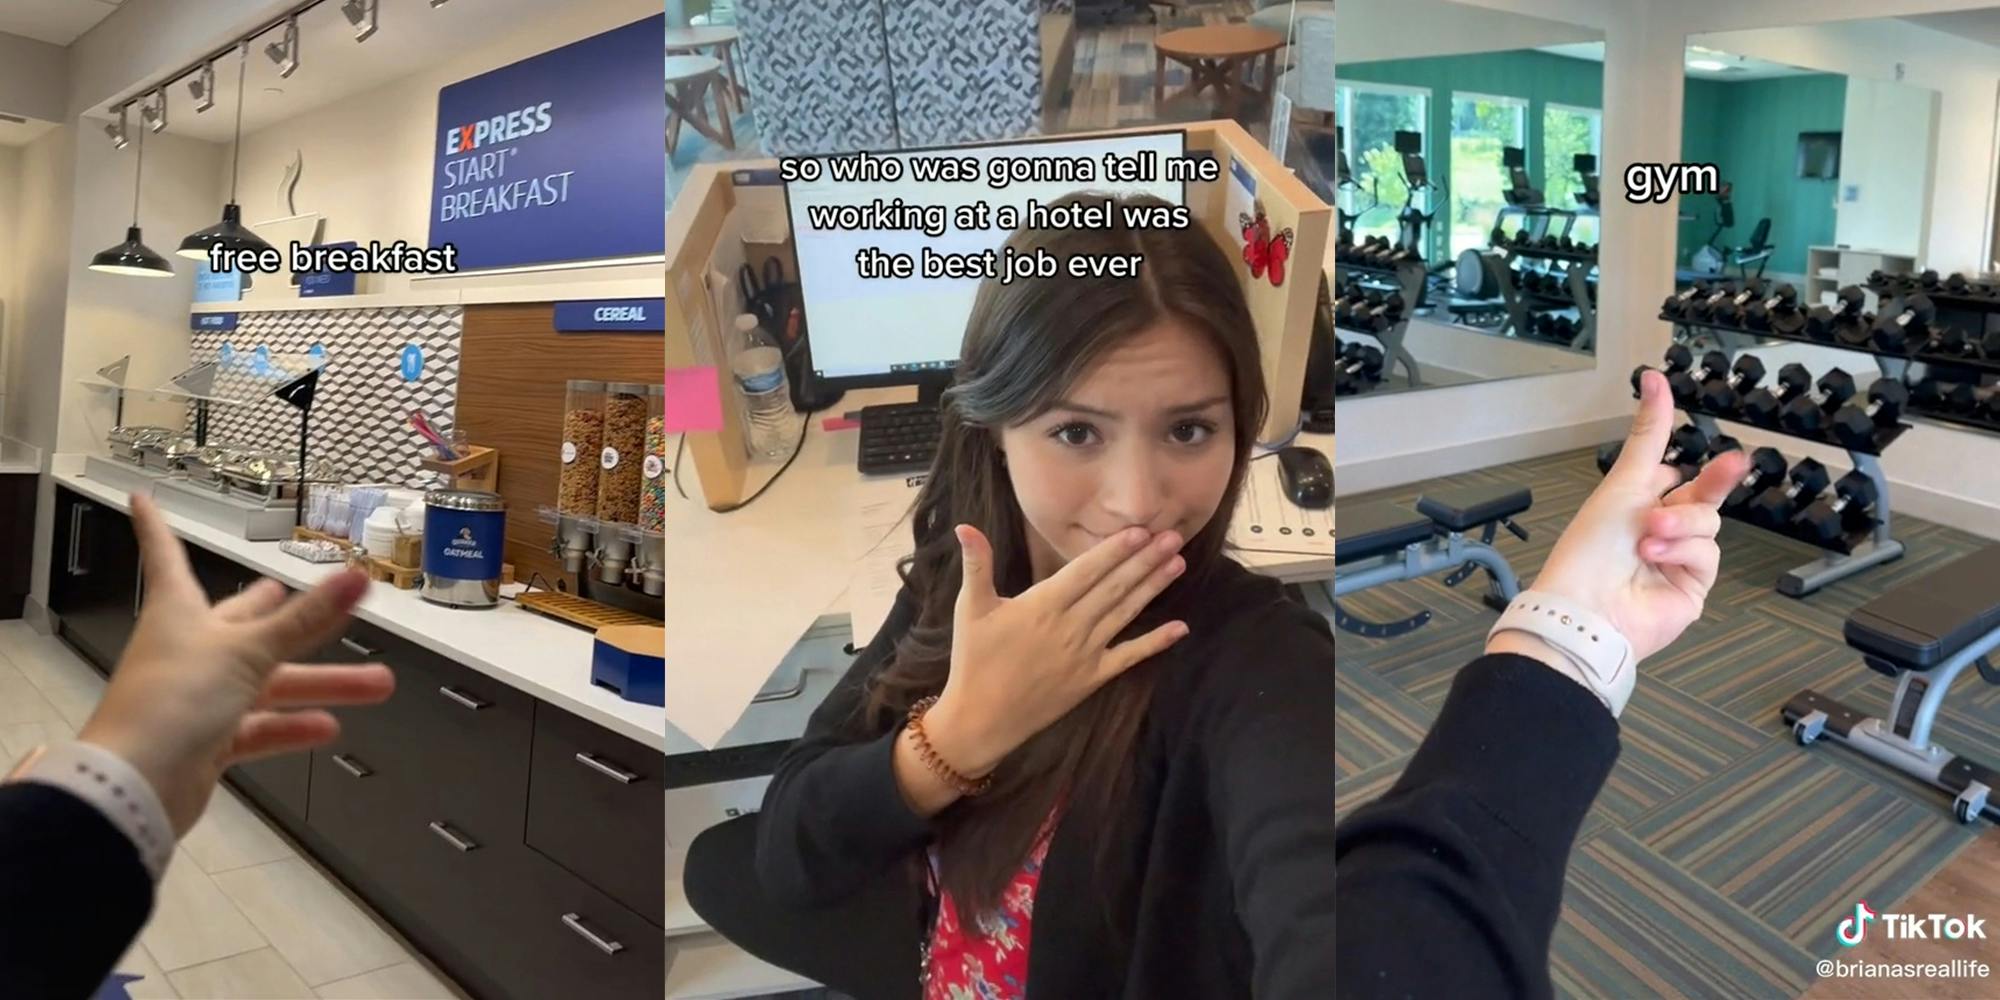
1385,543
1924,634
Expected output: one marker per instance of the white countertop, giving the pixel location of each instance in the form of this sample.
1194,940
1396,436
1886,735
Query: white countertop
546,659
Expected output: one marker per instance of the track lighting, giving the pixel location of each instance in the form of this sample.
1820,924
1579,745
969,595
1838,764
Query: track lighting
202,87
116,130
153,110
438,3
286,53
360,14
230,233
133,257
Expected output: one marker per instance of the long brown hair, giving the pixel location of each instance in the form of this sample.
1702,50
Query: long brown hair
1025,344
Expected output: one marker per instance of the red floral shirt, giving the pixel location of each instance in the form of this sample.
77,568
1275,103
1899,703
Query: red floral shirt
988,961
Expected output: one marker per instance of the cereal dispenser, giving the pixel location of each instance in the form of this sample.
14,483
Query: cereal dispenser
650,561
621,464
577,490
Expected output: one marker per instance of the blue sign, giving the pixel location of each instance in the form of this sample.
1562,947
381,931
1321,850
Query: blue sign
316,283
212,321
214,286
612,316
556,157
412,363
318,354
118,987
227,355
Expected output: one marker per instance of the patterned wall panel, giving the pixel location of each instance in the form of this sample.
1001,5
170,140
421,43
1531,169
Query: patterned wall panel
965,70
361,416
820,74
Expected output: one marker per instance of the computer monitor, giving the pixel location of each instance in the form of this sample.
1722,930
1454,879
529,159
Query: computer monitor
868,332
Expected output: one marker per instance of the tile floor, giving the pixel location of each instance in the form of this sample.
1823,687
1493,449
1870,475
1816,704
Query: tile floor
241,914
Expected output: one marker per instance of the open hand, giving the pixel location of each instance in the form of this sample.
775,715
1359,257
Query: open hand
202,687
1643,560
1019,664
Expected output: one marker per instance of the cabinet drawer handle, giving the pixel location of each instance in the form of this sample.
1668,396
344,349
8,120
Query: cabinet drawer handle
351,766
462,698
359,648
575,923
611,771
76,566
462,843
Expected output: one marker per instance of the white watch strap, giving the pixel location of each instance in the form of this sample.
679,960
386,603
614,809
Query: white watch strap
107,781
1595,653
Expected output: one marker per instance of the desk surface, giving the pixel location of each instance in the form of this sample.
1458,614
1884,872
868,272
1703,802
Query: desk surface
779,566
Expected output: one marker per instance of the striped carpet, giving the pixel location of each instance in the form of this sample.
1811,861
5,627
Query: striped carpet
1720,855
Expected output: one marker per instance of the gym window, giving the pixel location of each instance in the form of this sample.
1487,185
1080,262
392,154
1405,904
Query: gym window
1481,126
1372,113
1567,131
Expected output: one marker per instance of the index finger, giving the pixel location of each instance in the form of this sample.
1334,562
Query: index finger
1068,584
1639,461
161,556
1717,479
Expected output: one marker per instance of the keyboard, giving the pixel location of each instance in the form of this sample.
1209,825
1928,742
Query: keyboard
898,438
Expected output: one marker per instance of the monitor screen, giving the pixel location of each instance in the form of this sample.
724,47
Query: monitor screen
898,330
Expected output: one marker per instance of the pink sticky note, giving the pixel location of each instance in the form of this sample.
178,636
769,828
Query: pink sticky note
694,400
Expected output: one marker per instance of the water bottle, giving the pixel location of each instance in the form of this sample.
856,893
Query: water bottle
759,366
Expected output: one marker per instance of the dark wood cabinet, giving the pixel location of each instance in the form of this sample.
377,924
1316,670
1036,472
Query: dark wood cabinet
521,847
18,493
94,585
596,807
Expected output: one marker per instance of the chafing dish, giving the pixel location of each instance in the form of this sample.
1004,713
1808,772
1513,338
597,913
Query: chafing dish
265,477
205,465
166,452
126,441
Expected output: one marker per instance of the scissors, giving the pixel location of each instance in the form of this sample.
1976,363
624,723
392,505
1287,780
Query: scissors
761,297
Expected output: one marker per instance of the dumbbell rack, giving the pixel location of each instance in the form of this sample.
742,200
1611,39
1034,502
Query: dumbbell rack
1408,279
1519,302
1845,561
1891,302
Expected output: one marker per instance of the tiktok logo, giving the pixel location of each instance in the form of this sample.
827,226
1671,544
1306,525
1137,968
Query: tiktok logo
1852,928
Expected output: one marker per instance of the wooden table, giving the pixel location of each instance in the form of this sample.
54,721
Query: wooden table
1218,56
718,41
688,81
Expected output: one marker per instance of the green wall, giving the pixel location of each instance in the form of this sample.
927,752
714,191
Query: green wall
1750,131
1539,77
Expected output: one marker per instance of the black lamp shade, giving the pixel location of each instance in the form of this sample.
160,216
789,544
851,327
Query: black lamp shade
229,234
132,257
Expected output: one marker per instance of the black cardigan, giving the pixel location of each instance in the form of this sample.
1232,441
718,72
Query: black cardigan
1233,874
1451,883
75,893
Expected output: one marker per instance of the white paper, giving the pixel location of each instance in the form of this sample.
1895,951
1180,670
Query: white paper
1266,520
879,536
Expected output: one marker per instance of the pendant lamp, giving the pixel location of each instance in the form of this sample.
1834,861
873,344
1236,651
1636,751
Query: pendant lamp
230,233
133,257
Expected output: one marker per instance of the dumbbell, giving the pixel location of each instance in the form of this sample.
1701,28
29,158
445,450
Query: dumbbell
1677,361
1989,345
1677,304
1951,342
1767,469
1929,280
1563,328
1855,427
1686,384
1826,522
1763,405
1607,456
1774,507
1496,238
1730,311
1822,322
1807,415
1757,315
1957,284
1908,328
1687,446
1927,394
1961,397
1725,395
1362,360
1703,309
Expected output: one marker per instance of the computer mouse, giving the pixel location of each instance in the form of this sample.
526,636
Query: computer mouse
1307,476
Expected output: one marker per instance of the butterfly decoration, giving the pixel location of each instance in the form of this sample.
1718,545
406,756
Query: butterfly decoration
1262,250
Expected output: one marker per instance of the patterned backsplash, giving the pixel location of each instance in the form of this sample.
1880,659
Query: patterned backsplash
361,413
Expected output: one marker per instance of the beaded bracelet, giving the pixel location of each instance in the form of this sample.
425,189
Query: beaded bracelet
965,786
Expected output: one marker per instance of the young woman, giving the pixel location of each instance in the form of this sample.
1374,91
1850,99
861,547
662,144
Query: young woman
1088,754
